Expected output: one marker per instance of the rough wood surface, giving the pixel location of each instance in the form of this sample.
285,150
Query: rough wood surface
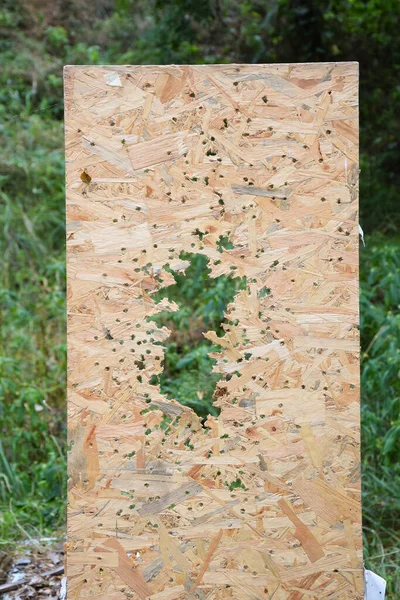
263,501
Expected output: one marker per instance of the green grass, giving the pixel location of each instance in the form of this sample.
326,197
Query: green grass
32,329
380,414
32,310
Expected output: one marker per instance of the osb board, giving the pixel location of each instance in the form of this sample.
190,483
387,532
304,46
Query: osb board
263,501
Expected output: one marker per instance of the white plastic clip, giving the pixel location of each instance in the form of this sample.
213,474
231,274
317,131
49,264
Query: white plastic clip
375,586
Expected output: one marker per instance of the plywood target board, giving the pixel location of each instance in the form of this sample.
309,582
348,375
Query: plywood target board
262,501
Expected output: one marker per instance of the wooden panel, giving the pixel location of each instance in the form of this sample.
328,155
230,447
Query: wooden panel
263,501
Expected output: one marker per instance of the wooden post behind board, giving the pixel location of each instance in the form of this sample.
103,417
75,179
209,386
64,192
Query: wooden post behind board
264,500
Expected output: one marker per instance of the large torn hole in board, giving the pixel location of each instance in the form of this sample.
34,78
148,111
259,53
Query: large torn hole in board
264,501
200,303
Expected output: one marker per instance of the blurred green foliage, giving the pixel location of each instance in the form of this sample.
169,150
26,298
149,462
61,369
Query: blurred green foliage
187,375
36,39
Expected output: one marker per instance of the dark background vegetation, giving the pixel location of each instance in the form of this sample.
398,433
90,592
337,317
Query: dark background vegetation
37,39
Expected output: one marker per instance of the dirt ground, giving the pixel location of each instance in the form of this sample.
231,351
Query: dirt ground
35,570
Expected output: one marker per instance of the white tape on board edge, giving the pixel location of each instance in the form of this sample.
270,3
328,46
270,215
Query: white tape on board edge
112,78
375,586
361,233
63,590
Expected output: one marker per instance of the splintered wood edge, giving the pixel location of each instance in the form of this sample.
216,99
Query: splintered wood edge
263,500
